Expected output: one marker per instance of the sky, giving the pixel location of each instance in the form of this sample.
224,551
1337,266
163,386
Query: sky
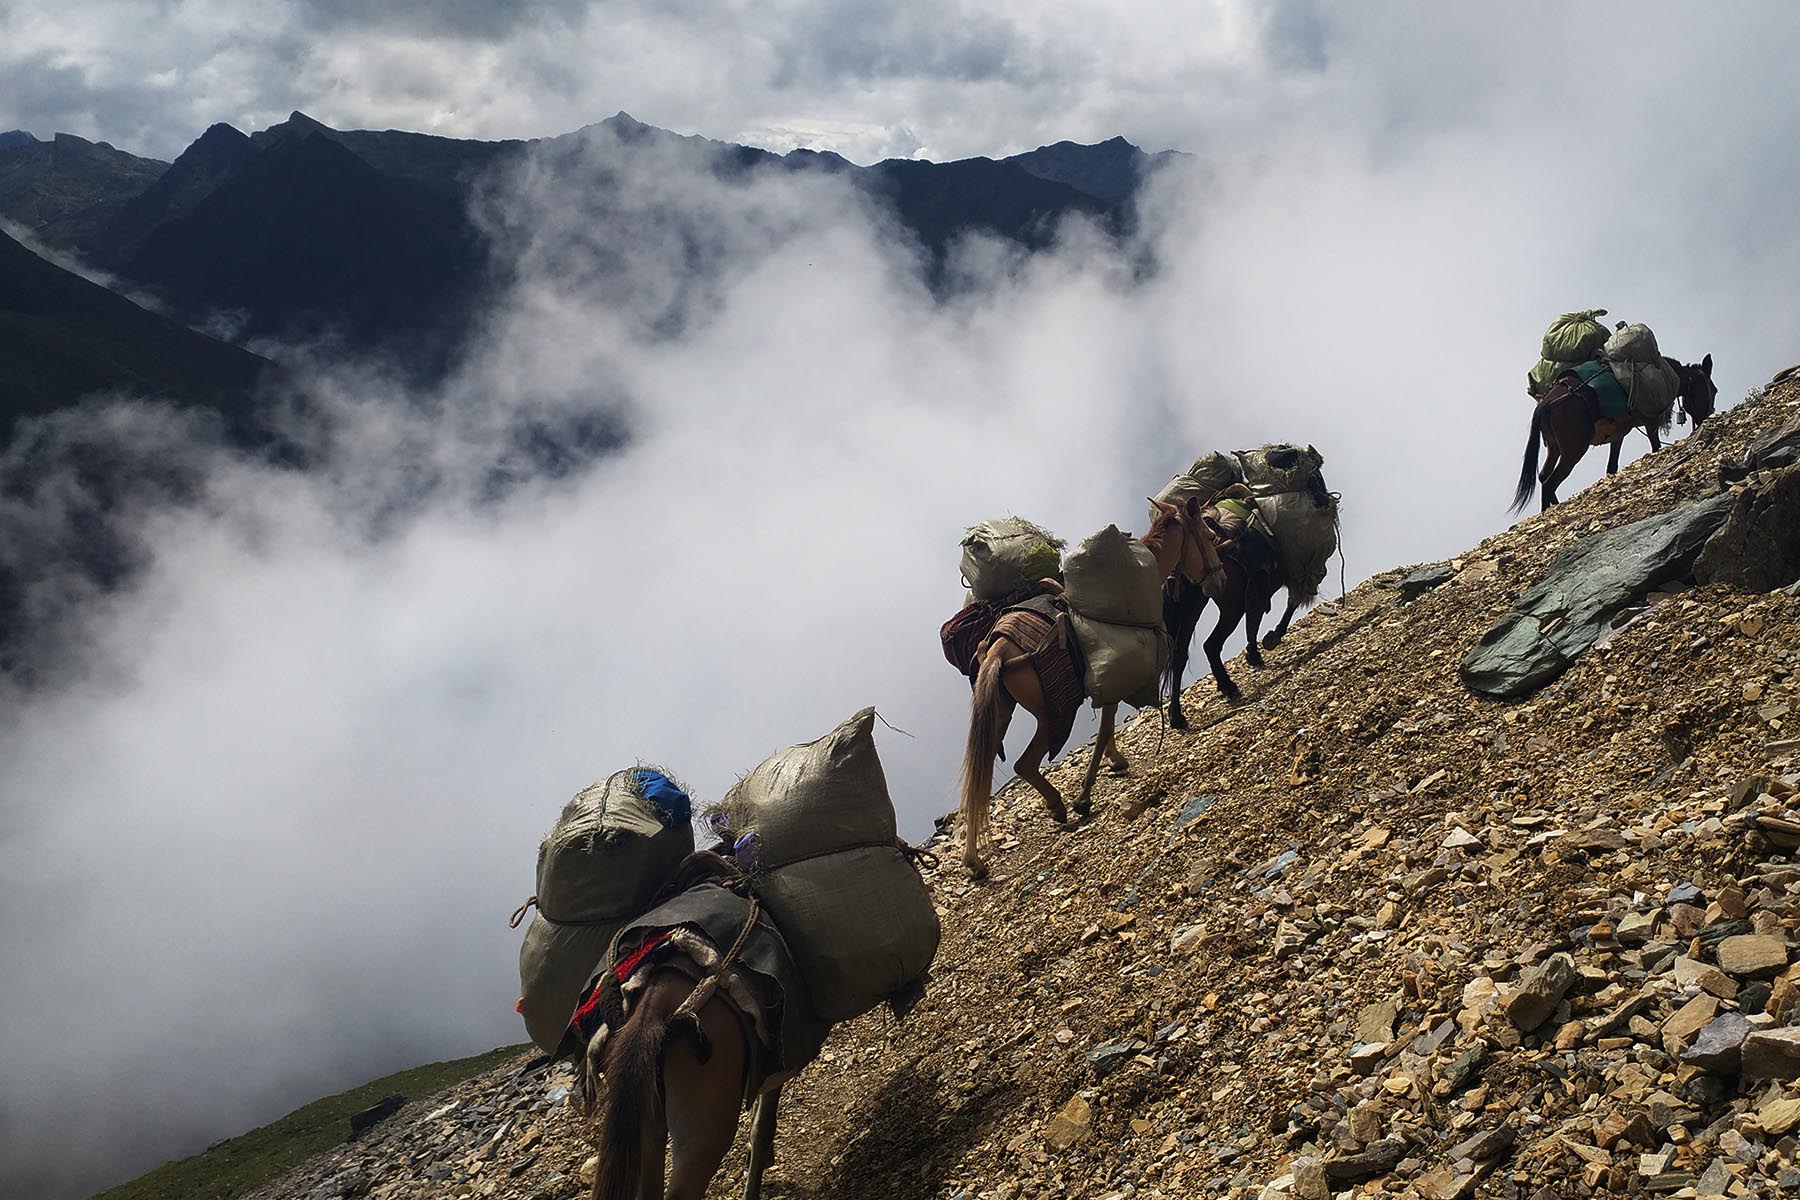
263,821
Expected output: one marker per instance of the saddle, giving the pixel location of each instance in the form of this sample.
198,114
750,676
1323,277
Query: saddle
1241,535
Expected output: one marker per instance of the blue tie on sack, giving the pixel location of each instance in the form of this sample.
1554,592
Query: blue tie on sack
670,802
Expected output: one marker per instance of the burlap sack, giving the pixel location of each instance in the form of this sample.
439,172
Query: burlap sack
1112,577
600,865
1641,370
1003,555
1305,535
827,866
1280,467
1209,474
1124,663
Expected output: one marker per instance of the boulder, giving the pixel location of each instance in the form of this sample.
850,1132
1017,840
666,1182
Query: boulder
1757,549
1772,1054
1751,954
1558,619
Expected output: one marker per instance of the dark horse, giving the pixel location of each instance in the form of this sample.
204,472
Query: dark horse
1568,422
1250,582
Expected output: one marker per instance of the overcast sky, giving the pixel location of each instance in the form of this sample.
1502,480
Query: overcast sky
293,782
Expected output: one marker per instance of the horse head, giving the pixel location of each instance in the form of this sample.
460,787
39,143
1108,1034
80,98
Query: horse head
1699,394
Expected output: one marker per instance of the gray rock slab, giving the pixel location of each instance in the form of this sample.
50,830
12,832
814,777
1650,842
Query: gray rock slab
1561,616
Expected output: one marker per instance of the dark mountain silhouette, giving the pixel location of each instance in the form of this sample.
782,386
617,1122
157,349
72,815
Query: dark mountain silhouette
303,237
66,190
62,337
364,238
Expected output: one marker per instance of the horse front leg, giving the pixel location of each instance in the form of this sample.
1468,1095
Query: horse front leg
762,1142
1612,457
1180,618
1229,616
1253,616
1103,747
1655,441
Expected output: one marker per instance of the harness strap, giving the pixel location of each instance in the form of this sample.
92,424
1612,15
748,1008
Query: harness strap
687,1015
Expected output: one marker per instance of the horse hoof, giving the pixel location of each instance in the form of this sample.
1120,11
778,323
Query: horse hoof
1271,640
977,870
1256,661
1117,769
1232,695
1177,719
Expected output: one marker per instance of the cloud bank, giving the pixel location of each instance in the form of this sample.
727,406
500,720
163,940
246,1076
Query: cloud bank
259,837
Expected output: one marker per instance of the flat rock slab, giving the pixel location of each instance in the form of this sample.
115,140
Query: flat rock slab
1772,1054
1751,954
1557,620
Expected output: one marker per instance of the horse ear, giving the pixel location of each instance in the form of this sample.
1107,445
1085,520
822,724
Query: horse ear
1706,365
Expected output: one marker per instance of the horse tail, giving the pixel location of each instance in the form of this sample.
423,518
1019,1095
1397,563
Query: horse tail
1528,472
634,1057
984,746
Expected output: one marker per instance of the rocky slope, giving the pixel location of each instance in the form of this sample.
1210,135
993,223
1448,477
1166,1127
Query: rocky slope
1367,933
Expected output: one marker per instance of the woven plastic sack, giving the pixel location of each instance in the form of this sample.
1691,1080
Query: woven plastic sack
1282,467
1124,663
1647,378
1112,577
1574,337
1306,536
600,865
860,924
1003,555
1209,474
830,871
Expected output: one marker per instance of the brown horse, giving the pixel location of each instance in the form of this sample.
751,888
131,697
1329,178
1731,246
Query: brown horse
1006,677
665,1087
1247,589
1566,421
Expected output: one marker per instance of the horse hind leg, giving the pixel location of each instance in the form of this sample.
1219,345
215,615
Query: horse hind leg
762,1143
702,1097
1273,638
1027,769
1180,618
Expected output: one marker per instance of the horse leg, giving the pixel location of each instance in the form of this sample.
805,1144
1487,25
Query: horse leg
1116,762
1273,638
1179,618
1026,766
1103,748
702,1096
1229,616
1612,457
762,1143
1655,441
1256,609
990,710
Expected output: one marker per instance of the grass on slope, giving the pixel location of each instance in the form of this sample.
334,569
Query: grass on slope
234,1166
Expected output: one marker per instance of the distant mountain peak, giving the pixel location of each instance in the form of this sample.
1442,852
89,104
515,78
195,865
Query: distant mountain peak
12,139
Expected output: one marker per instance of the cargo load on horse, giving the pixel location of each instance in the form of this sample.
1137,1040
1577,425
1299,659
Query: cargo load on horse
1649,381
707,930
1300,513
1207,477
609,853
1006,555
1574,337
813,827
1114,591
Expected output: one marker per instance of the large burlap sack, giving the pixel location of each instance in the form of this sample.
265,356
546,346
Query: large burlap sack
1305,535
860,925
1003,555
1112,577
615,845
1124,663
1574,337
814,798
828,866
1637,363
1274,469
1209,474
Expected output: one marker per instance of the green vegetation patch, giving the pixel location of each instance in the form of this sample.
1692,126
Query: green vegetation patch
236,1165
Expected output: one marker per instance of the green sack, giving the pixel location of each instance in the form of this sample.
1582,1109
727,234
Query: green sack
1575,336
